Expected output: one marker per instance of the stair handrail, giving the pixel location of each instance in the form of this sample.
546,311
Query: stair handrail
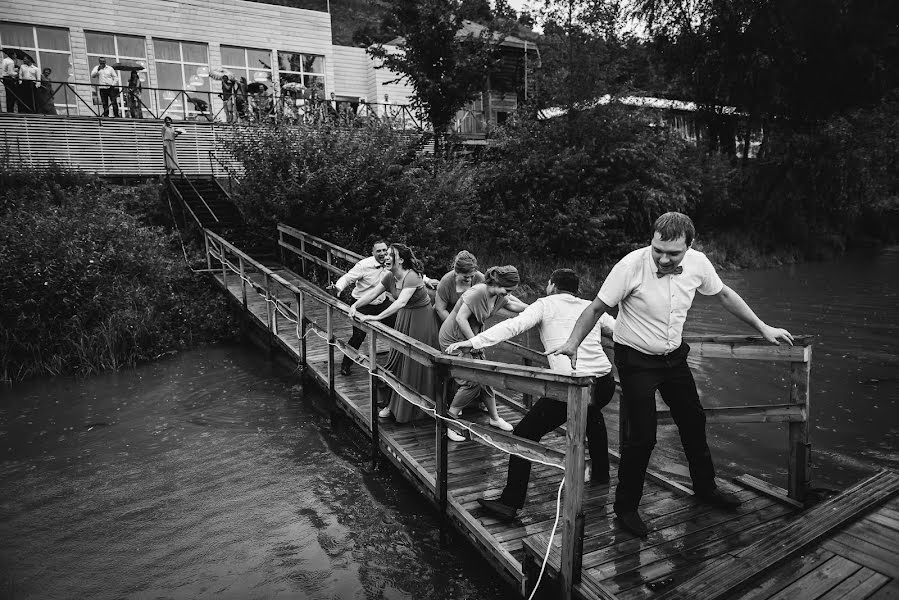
225,167
184,177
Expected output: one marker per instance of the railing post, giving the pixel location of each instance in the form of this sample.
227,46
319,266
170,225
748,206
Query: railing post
303,258
330,313
373,396
274,303
224,266
572,508
281,251
206,241
800,449
301,331
268,304
243,282
328,261
441,393
528,399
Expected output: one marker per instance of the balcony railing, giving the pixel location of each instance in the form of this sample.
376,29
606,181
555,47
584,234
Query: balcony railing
85,99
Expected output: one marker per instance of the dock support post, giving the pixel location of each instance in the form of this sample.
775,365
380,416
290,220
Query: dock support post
572,505
303,258
799,450
528,399
328,261
243,282
441,393
224,266
373,396
330,312
301,330
282,254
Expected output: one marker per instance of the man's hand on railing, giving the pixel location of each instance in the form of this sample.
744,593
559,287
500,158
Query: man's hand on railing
568,349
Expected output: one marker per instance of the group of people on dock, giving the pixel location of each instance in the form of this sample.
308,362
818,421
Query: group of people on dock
653,288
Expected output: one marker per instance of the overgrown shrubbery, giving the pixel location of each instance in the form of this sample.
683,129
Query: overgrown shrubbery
88,282
581,189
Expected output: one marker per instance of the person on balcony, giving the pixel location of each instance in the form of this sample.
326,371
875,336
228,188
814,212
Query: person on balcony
169,134
10,74
29,82
240,98
135,89
653,288
466,320
227,97
555,316
44,96
108,85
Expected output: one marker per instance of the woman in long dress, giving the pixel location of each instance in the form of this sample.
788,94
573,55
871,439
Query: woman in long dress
467,320
414,317
169,134
135,88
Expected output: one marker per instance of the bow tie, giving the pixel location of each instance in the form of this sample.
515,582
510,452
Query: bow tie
676,271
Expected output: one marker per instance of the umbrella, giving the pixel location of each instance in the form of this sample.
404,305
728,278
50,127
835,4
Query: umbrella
18,54
219,72
119,66
256,87
293,86
13,52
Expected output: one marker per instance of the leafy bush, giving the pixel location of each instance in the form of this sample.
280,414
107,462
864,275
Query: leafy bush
87,284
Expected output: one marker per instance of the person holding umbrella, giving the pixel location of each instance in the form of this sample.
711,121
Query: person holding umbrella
108,83
134,92
10,74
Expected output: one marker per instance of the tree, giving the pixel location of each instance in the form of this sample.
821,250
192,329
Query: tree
445,68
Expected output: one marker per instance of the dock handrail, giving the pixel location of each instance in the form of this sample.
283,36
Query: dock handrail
185,178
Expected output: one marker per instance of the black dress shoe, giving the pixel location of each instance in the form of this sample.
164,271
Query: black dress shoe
598,479
498,509
720,498
632,522
345,369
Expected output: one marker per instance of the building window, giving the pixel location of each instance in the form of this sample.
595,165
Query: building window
252,64
49,47
130,49
308,69
182,69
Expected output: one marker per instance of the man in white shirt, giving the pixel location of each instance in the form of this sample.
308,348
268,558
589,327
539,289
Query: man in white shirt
366,274
654,288
108,85
10,79
555,315
29,81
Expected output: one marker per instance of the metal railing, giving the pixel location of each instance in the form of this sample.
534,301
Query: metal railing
85,99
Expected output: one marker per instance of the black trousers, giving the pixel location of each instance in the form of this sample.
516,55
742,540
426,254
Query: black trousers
641,375
546,415
10,86
359,334
110,96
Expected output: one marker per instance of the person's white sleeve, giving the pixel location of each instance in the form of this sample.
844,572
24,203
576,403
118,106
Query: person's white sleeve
711,283
96,71
617,285
351,276
509,328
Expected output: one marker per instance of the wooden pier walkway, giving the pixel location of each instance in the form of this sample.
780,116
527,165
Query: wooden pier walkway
847,547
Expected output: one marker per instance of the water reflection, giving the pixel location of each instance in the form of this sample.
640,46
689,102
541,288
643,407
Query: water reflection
207,474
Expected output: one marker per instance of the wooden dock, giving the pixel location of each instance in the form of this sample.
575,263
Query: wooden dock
847,547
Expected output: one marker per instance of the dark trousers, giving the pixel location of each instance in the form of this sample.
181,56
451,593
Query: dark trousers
546,415
107,96
641,375
10,87
359,334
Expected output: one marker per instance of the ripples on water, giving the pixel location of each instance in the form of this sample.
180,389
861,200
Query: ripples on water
208,474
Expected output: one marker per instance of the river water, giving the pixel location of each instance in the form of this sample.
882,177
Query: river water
211,473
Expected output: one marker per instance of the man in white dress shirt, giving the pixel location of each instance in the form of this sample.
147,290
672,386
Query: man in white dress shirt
10,79
555,315
654,288
366,274
108,82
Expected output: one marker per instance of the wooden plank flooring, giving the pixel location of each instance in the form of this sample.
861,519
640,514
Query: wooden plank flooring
688,540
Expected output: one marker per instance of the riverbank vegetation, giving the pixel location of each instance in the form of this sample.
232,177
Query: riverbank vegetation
91,279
